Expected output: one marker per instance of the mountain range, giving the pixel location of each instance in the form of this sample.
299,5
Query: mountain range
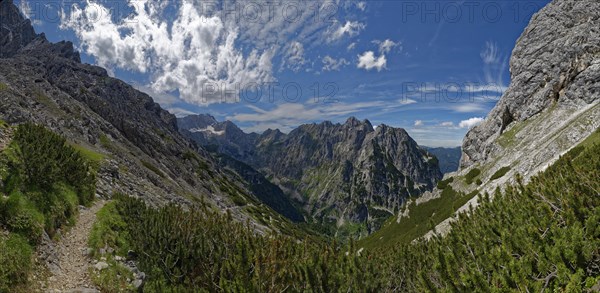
199,203
351,175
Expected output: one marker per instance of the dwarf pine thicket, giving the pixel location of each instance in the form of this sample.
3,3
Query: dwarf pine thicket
43,180
543,234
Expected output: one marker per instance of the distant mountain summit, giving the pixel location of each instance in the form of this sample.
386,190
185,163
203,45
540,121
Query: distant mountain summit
344,174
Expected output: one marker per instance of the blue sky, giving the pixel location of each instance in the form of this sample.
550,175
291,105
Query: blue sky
435,68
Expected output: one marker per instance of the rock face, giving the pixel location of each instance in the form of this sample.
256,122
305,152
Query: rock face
340,173
556,63
144,154
551,105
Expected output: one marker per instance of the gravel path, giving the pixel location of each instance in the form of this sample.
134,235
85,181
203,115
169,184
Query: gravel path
5,135
73,262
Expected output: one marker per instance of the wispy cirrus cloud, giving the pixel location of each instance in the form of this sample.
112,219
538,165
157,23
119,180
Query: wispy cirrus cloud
290,115
494,64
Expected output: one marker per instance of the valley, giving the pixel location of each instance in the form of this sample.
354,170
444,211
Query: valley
104,189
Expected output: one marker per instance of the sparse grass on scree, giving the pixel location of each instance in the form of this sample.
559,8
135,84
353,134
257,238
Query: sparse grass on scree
110,230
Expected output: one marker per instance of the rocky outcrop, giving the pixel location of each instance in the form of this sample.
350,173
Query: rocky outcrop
551,105
342,174
556,63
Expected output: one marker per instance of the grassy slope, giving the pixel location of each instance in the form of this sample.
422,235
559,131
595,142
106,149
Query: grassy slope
423,217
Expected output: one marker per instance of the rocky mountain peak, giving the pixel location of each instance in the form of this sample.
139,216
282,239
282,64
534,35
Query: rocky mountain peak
197,121
17,36
354,122
555,64
338,171
15,30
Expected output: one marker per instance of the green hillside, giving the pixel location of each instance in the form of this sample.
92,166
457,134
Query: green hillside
543,235
43,180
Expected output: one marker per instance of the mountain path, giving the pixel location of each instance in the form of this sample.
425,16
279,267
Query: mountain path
73,260
5,137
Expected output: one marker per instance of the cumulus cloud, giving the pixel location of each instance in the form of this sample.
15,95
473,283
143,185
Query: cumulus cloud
26,11
190,49
350,28
25,8
470,123
332,64
294,56
386,46
368,61
185,55
419,123
362,5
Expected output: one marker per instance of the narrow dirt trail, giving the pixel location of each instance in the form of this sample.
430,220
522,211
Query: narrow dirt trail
73,262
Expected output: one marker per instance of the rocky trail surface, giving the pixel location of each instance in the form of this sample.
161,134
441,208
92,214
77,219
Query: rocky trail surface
73,260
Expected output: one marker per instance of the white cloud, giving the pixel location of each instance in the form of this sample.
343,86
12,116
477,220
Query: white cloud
494,65
351,46
419,123
184,55
331,64
294,56
25,8
490,54
368,61
191,47
386,46
351,28
447,124
290,115
469,107
301,112
362,5
470,123
405,101
180,112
